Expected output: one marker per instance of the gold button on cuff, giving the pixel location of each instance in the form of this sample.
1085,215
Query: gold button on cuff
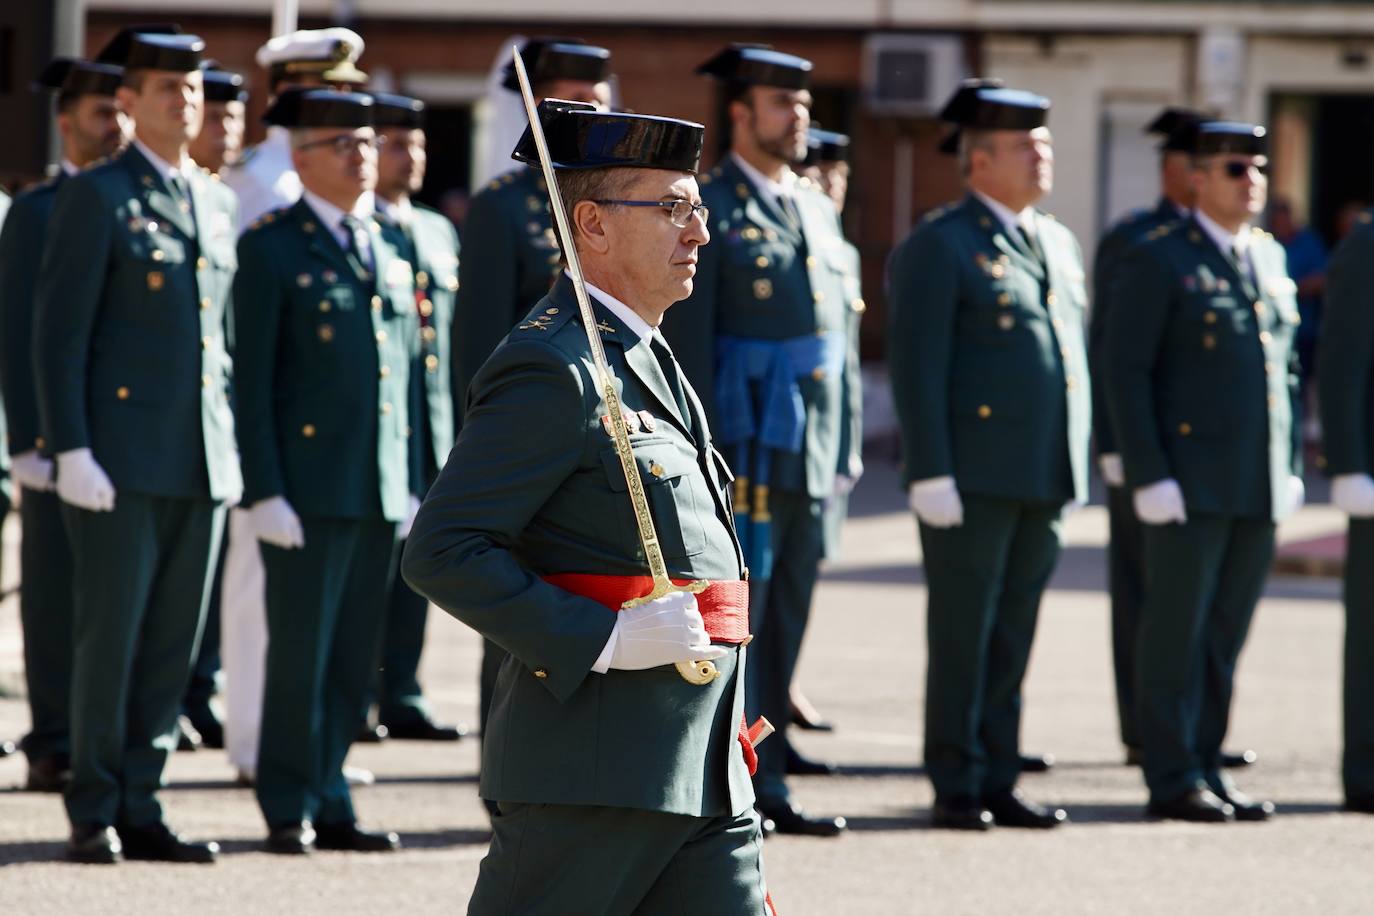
376,303
308,430
656,469
386,409
1185,429
552,310
984,411
858,306
1265,337
122,392
384,372
540,673
381,337
326,332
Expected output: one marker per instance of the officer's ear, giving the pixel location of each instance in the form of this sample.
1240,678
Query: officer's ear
588,229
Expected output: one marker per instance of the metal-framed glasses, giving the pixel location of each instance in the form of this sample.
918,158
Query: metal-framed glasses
680,212
343,144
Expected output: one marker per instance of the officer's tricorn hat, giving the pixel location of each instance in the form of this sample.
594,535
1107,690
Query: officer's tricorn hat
173,53
391,110
1215,138
581,137
116,50
758,65
222,85
305,106
986,104
72,77
826,146
560,59
1178,127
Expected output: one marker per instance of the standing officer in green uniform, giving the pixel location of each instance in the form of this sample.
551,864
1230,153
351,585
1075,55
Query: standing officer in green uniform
1346,394
989,375
325,321
132,375
431,245
1202,389
621,787
512,256
766,338
91,127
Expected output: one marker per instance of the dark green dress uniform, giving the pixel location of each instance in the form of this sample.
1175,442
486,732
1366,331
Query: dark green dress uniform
325,347
45,556
990,383
431,244
1126,544
130,360
1346,389
1201,385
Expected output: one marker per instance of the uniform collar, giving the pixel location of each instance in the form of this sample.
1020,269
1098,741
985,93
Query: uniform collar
637,325
162,166
401,211
331,215
766,186
68,167
1009,218
1239,243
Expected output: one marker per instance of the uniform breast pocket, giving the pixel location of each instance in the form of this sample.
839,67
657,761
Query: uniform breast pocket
325,300
676,491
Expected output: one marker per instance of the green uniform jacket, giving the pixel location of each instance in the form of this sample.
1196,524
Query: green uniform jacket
1200,371
324,358
432,245
760,278
1345,372
534,487
511,259
130,353
987,357
21,251
1131,229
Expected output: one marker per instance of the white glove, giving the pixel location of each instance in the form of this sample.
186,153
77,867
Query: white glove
83,483
846,479
1353,494
276,523
1297,493
1160,503
665,631
936,502
1113,472
33,471
403,531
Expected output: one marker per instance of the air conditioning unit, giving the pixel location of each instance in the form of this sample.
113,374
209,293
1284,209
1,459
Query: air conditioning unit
911,75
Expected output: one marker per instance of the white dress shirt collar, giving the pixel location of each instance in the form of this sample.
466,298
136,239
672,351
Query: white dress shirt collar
68,167
163,167
1009,218
399,211
770,189
332,216
636,324
1240,242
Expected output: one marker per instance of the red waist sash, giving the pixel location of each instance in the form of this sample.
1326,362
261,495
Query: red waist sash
724,605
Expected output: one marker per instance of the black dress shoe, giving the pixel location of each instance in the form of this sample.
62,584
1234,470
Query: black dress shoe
1012,809
1135,757
1247,808
207,724
291,839
1198,805
788,818
48,774
188,738
94,844
1233,760
960,813
809,723
423,728
797,765
1037,763
372,734
1360,804
348,838
157,843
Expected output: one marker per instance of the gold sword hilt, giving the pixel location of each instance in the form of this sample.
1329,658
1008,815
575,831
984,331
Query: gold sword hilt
700,671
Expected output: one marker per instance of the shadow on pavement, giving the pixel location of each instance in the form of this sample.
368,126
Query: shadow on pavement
428,779
904,771
27,853
441,839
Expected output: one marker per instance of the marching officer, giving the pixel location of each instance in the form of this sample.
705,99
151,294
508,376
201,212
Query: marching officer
91,127
766,337
511,256
989,375
431,244
220,141
1347,413
529,537
1201,384
265,179
132,374
325,320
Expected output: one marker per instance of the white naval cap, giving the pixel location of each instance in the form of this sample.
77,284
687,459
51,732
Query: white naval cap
329,53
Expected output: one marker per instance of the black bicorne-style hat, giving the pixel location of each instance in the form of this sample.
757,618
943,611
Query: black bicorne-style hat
581,137
310,107
560,59
758,65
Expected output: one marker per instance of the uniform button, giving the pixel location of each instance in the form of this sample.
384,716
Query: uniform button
1051,298
1004,298
818,373
376,303
760,261
421,279
1265,337
1064,352
159,254
205,343
205,304
810,260
206,381
426,308
818,296
1273,401
429,334
201,263
540,673
552,310
1185,429
656,469
122,392
308,430
325,305
384,372
1268,368
386,409
40,443
432,363
1259,307
381,337
858,306
984,411
1057,322
1209,341
1006,322
1210,318
1071,382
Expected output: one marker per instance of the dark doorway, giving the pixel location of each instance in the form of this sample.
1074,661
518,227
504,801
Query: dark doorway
448,137
1342,158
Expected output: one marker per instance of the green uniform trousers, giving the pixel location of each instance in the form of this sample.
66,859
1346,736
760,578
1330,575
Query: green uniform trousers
985,579
585,860
779,608
1203,579
325,606
400,699
1126,581
45,614
1357,768
142,576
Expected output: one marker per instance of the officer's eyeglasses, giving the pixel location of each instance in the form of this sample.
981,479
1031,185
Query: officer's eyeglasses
1239,170
344,144
680,212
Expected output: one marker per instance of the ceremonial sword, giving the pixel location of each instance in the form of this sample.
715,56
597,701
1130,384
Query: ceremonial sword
695,672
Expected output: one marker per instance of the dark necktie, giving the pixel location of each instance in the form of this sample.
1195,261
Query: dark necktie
1031,245
789,210
1242,265
668,365
356,240
181,192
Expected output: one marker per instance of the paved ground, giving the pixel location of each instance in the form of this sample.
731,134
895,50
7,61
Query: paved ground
864,666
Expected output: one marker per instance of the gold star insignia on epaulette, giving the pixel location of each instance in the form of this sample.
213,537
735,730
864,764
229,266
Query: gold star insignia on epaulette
742,189
147,181
985,222
508,178
534,203
704,178
540,323
493,184
1194,236
308,226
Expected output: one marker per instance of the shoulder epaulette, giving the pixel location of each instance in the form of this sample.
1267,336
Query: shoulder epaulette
704,178
549,319
271,216
932,215
245,156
